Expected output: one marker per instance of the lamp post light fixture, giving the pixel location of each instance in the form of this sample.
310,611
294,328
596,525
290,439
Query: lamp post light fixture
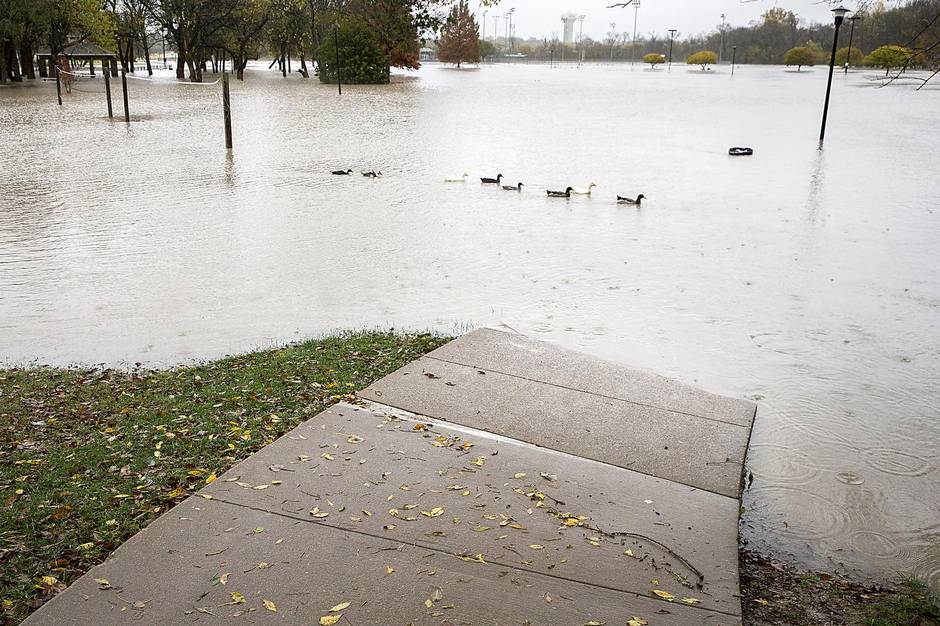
839,15
672,35
848,56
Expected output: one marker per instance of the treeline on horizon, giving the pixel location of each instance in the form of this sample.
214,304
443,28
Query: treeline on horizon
376,35
913,24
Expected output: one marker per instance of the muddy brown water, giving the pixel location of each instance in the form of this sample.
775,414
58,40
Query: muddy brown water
805,279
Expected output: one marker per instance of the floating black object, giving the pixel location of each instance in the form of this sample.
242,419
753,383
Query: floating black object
738,151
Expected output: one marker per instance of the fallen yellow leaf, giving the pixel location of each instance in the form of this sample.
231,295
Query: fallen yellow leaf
665,595
690,600
211,478
389,570
536,546
435,512
761,601
269,605
636,621
340,607
329,620
238,598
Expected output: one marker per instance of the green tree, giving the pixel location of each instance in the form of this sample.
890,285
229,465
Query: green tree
487,49
843,56
362,59
703,58
654,59
460,37
888,57
799,57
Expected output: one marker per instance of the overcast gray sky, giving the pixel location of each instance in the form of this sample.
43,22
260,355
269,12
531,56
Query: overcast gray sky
539,18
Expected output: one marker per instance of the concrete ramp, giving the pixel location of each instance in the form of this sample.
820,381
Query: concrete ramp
392,517
535,392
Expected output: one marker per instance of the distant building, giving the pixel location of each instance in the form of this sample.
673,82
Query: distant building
428,54
569,19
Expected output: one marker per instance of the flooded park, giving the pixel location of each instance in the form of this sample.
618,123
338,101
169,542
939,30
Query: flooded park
804,279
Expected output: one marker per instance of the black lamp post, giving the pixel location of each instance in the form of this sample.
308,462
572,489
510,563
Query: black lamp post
839,15
672,34
848,56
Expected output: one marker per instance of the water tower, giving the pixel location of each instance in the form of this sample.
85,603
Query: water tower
569,20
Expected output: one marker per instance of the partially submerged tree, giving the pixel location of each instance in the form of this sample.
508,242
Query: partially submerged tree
703,58
460,37
889,57
654,59
361,57
853,57
799,57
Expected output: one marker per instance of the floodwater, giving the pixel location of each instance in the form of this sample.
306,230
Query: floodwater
805,279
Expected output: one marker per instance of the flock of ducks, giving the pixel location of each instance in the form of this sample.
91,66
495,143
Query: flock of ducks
567,193
369,174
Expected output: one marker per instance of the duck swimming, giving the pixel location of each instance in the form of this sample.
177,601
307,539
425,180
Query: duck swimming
456,179
492,181
341,172
371,174
585,192
634,202
560,194
513,187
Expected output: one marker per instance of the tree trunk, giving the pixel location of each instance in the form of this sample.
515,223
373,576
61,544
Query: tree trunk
4,70
303,66
146,43
26,60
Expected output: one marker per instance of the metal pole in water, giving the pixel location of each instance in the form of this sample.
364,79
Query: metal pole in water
227,111
339,72
839,14
107,91
734,53
127,111
58,84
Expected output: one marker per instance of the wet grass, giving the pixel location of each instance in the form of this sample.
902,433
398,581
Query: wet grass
912,605
89,457
777,595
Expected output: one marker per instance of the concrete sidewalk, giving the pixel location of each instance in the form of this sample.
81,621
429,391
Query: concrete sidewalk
564,518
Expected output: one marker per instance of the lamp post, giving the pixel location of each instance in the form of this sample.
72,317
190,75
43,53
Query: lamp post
672,35
721,47
496,30
848,56
484,26
580,38
636,12
839,14
511,11
734,53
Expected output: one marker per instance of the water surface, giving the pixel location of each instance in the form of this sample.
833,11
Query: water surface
805,279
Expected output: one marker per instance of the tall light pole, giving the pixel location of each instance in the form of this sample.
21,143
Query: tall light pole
580,39
672,35
721,48
839,14
613,38
496,30
511,11
636,12
484,25
848,56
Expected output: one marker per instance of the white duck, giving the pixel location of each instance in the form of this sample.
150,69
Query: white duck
585,192
457,179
